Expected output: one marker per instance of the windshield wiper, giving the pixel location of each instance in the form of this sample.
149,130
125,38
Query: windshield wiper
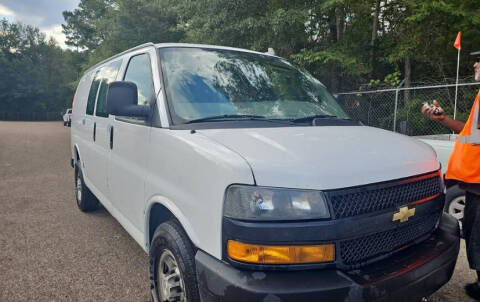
226,117
312,117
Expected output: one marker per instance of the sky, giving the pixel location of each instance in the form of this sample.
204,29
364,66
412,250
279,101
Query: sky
44,14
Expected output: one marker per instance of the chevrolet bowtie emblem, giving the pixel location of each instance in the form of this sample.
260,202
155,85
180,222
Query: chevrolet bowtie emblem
403,214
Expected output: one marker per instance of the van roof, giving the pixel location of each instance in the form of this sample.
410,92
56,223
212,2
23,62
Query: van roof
165,45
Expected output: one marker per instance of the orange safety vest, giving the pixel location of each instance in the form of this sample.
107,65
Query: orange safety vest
464,163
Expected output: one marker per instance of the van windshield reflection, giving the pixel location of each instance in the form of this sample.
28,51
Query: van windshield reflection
205,83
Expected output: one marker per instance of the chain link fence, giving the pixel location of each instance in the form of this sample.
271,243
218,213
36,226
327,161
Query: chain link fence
398,109
30,116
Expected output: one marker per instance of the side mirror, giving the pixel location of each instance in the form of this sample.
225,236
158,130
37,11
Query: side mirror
122,100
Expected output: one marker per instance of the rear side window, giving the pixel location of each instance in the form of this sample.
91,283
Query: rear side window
92,95
140,73
108,74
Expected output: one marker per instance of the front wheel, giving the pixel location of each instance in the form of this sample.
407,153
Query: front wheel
172,265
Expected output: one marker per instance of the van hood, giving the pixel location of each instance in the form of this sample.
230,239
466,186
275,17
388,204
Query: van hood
326,157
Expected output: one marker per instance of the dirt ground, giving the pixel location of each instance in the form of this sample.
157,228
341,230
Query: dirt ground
50,251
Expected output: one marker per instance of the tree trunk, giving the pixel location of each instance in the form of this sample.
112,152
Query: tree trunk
332,24
374,37
335,36
340,21
408,79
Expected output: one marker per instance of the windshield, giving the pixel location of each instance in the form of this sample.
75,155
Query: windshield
204,83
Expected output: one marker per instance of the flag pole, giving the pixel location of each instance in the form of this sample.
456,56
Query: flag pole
456,86
458,46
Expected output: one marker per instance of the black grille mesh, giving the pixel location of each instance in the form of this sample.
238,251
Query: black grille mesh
362,200
359,250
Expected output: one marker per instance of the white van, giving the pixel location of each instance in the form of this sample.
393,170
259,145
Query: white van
244,180
67,117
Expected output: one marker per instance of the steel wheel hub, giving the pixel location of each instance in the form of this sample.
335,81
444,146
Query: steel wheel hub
457,207
78,189
170,285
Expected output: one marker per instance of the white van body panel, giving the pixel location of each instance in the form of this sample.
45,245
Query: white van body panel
192,172
326,157
136,234
128,170
443,146
177,213
206,46
78,135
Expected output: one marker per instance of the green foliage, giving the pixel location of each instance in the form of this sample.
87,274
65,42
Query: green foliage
373,83
349,64
392,79
36,75
106,27
425,31
334,39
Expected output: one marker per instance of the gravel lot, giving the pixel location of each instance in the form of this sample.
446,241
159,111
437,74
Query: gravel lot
50,251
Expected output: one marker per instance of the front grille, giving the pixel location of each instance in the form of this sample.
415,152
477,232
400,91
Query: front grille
372,198
362,249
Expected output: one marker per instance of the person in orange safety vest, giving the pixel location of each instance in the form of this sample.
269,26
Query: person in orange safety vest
464,167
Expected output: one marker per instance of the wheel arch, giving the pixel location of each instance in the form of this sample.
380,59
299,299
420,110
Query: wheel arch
160,209
76,154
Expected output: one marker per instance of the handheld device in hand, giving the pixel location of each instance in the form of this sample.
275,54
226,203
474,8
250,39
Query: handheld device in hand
438,110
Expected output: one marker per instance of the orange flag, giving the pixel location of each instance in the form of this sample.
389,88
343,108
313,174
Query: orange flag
458,40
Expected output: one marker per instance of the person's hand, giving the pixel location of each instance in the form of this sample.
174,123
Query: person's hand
430,112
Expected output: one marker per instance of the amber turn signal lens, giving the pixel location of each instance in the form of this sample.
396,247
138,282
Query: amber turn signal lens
280,254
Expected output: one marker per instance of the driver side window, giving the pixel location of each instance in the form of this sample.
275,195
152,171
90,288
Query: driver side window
139,72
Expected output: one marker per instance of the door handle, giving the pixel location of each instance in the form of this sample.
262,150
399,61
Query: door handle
94,131
83,122
111,137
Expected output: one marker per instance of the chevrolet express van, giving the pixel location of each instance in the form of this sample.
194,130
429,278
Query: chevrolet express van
244,180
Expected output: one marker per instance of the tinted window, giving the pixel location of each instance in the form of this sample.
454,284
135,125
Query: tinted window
92,95
107,75
139,72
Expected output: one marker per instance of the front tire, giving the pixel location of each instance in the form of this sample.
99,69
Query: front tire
172,265
86,201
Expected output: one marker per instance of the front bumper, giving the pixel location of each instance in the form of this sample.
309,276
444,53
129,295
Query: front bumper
408,275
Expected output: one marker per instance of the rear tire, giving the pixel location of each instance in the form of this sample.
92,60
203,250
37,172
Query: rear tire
172,265
86,201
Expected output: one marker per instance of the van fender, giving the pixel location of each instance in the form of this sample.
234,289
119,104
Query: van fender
81,163
177,213
77,150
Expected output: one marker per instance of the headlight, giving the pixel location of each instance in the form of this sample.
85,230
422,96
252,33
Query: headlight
269,204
